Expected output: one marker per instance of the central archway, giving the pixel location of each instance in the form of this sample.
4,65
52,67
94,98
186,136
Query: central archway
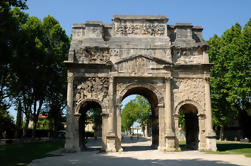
152,95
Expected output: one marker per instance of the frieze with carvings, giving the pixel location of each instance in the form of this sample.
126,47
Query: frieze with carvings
140,29
93,55
189,89
91,88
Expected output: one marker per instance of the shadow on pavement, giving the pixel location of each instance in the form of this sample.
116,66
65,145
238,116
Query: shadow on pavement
96,159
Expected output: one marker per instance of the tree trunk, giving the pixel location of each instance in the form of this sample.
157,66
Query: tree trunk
26,126
19,120
35,120
221,132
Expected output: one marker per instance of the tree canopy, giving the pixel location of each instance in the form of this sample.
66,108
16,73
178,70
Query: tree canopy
31,70
137,110
230,76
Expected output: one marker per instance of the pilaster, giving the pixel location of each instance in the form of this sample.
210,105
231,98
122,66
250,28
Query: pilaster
210,134
170,136
69,145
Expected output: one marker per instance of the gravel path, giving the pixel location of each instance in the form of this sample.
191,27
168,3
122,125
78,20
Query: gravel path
138,152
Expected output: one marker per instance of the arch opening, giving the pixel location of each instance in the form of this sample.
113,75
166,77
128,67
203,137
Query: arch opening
90,125
189,126
149,132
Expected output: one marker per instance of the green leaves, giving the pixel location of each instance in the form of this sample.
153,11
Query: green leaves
231,73
138,110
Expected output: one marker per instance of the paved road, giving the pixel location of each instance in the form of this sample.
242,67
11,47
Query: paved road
139,153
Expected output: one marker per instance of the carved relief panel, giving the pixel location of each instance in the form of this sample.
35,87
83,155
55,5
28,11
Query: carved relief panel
187,55
92,55
140,29
91,88
189,89
138,65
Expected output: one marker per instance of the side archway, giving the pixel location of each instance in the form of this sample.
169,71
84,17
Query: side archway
81,113
187,125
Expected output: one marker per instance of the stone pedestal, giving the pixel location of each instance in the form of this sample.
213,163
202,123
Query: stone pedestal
211,141
170,141
111,143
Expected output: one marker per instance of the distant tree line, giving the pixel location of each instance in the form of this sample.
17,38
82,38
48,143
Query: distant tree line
32,73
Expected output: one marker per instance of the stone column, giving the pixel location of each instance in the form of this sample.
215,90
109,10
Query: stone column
211,136
69,140
77,141
202,132
119,139
111,137
170,136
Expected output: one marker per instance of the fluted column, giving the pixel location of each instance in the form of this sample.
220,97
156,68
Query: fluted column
70,92
209,123
170,136
168,107
111,130
112,140
69,141
210,135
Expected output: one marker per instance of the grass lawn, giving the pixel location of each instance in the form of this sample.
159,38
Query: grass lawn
23,154
229,148
238,148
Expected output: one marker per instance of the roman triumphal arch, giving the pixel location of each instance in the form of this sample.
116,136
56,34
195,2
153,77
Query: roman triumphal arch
140,54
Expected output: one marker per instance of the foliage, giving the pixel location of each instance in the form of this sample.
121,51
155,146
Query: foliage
35,49
23,154
230,76
138,110
181,118
43,124
7,126
129,115
95,117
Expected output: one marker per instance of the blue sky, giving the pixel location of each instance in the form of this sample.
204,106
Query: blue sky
215,16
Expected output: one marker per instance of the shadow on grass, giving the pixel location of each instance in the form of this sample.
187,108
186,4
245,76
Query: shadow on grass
24,153
232,146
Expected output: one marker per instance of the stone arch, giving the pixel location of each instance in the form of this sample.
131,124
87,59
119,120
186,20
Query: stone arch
85,101
79,115
193,126
180,104
155,98
149,87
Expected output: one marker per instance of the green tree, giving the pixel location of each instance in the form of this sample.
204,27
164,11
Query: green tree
7,126
129,115
231,83
8,32
39,73
137,110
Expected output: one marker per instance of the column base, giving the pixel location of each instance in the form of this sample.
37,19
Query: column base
111,143
211,141
170,141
